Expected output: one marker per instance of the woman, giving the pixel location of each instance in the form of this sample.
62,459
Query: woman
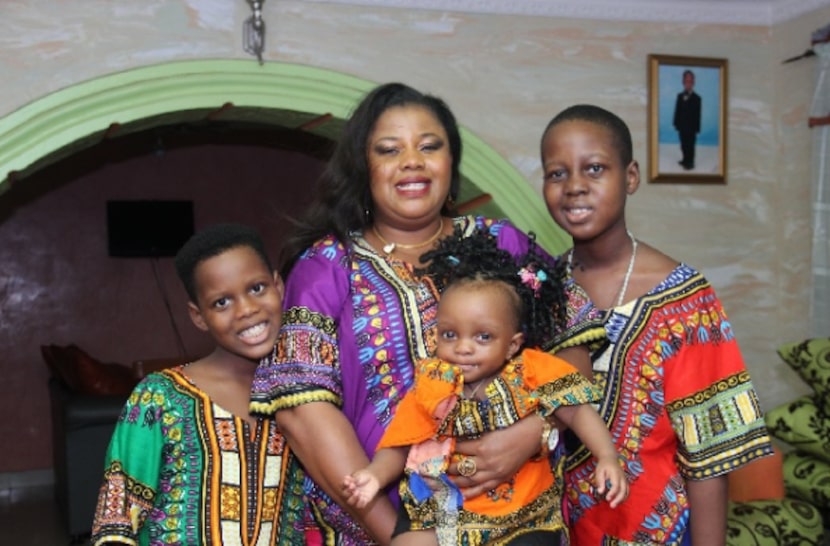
358,314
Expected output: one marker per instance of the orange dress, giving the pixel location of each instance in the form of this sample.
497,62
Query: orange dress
434,414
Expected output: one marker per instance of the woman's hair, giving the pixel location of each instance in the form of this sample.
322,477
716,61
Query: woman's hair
343,202
620,133
212,241
536,282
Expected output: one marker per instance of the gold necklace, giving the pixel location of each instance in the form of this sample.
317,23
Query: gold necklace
389,248
472,395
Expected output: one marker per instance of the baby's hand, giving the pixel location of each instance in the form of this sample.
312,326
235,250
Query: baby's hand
610,482
360,488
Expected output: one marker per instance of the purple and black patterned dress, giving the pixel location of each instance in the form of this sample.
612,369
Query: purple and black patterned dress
355,321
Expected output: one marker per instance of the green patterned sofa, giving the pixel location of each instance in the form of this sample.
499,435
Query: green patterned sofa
800,518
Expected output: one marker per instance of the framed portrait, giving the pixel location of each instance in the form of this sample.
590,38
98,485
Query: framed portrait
687,119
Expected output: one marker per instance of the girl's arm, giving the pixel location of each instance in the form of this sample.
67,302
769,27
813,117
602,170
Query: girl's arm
363,485
580,358
707,506
327,446
610,482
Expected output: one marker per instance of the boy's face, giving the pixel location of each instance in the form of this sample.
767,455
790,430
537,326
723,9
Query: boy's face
477,329
585,182
688,82
239,302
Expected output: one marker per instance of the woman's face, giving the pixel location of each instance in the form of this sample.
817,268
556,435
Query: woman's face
410,167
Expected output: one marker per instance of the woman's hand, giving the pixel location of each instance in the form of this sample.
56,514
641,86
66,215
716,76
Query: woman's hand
495,457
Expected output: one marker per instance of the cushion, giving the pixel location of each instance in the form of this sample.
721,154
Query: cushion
808,479
86,375
811,361
760,479
61,363
801,424
774,523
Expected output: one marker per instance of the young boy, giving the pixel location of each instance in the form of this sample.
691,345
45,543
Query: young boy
676,395
187,463
686,119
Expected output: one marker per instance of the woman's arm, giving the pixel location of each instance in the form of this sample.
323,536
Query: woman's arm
707,508
325,443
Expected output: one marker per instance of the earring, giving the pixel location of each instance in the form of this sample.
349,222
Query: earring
450,203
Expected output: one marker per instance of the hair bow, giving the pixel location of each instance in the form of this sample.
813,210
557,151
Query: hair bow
532,279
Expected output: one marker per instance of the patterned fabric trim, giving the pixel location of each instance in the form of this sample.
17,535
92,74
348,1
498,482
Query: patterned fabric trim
728,412
119,524
307,337
293,401
585,323
570,390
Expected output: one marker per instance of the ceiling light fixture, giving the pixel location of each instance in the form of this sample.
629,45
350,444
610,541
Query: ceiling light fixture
253,31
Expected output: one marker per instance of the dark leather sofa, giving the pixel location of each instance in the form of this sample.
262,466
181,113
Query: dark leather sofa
82,425
86,397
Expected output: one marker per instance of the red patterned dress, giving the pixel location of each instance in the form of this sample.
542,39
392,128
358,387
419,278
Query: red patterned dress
679,404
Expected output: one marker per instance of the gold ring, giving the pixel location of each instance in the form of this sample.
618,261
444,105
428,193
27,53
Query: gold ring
466,467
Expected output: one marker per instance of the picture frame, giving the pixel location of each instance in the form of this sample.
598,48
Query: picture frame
687,124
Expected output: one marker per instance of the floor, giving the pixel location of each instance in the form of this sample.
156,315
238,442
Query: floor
28,514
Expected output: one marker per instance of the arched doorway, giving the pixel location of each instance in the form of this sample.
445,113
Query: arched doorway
283,94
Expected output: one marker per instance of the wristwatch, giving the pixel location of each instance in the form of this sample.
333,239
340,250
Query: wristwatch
548,441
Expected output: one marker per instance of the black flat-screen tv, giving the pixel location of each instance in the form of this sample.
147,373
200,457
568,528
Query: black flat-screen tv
148,228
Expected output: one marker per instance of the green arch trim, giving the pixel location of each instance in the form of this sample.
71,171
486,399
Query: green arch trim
86,110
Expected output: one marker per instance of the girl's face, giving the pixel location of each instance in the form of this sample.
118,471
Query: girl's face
239,302
477,329
585,182
410,167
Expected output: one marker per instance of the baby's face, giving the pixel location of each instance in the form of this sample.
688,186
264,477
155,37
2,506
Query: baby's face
477,329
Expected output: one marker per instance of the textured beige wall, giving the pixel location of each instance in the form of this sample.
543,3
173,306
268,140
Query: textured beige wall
505,76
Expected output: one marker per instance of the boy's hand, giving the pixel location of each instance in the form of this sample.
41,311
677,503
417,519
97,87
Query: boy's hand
360,488
610,482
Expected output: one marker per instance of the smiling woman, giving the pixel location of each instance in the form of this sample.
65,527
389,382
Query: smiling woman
359,312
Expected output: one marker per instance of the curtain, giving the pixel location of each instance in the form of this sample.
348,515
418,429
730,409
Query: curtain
820,122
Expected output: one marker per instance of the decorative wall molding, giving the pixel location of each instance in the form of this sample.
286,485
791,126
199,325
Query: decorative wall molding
733,12
42,130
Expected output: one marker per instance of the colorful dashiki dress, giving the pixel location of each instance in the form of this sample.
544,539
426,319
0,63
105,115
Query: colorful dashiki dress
434,414
680,406
180,470
355,321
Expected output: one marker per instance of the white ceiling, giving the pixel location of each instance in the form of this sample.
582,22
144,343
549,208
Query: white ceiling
740,12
